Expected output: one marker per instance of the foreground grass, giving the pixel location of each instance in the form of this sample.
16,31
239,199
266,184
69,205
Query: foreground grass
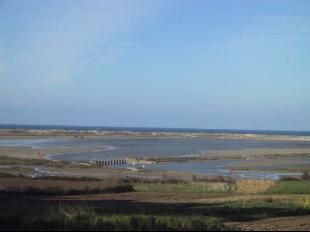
199,205
291,187
39,214
255,209
85,218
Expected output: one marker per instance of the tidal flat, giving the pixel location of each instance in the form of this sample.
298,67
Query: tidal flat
228,154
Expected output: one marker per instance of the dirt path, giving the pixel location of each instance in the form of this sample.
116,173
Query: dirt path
301,223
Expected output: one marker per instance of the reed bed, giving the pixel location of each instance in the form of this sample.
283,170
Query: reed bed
254,186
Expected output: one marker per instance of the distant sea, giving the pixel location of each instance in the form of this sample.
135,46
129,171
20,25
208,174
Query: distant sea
150,129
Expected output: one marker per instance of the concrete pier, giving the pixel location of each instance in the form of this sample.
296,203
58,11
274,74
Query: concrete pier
111,162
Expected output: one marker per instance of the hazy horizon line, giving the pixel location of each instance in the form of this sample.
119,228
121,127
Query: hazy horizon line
149,127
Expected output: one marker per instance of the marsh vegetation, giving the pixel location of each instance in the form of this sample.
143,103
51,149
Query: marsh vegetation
64,203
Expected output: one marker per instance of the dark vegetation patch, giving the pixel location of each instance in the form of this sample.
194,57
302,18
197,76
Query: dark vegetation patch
304,176
61,186
253,210
85,217
6,160
37,214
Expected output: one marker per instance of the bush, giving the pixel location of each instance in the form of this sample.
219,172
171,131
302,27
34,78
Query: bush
305,176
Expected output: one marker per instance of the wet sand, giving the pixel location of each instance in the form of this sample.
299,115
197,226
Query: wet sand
29,152
33,153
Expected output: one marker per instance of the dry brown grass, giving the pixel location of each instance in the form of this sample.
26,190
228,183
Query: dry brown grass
300,223
60,186
254,186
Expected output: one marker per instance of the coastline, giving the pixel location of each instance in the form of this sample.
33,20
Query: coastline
33,134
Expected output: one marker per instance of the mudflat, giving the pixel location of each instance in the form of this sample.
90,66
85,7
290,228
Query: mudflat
33,153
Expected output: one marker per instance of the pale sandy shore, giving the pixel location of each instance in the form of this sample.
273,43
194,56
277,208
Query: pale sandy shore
260,152
32,153
23,133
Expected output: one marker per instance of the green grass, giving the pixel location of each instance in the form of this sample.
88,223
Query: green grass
85,218
128,216
194,187
291,187
252,210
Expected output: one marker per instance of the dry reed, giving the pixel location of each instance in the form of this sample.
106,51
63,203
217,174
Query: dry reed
253,186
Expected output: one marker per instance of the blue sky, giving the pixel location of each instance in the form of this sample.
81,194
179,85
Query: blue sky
193,64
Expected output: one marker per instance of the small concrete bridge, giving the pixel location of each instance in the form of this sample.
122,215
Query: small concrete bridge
110,162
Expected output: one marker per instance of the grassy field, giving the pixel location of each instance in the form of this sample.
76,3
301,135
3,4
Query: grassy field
291,187
122,204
